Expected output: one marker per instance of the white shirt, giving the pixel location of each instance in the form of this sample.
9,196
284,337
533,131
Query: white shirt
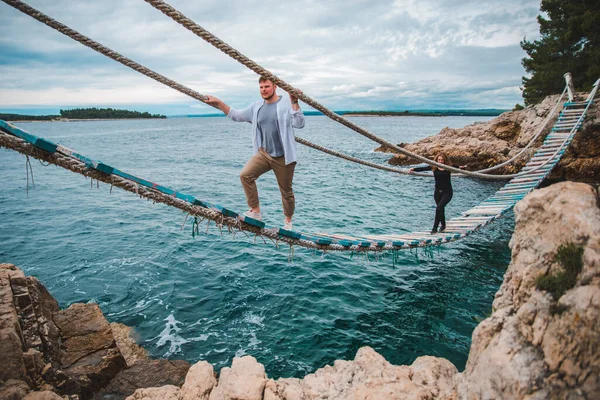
287,118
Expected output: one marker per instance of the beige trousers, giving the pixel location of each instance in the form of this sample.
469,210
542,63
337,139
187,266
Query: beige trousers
260,163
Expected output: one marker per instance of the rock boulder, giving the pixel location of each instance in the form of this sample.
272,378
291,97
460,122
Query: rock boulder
485,144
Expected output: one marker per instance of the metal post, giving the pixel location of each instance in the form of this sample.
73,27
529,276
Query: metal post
570,87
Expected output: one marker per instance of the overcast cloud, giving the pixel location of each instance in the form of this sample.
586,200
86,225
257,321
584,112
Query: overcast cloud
351,54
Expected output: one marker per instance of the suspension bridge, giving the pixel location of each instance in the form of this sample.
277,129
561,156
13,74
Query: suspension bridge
566,125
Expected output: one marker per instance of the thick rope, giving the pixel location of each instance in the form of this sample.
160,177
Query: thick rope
17,144
207,36
19,5
28,168
189,24
356,160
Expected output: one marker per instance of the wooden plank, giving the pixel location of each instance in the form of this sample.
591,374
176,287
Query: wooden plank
508,196
504,198
498,204
351,239
390,238
317,240
545,168
41,143
201,203
229,213
531,176
535,179
458,230
342,242
468,219
524,185
547,153
290,234
513,191
539,160
491,207
483,212
555,140
519,185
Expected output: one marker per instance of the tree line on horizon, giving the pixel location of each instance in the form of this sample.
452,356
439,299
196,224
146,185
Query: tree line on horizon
108,113
83,113
569,42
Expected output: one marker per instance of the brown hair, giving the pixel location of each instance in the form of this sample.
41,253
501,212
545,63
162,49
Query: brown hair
444,156
263,79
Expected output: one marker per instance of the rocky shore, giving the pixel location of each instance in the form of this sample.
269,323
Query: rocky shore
485,144
540,342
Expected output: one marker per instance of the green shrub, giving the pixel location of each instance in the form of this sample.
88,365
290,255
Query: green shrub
570,257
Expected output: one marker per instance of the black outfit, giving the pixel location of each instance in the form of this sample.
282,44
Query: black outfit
442,194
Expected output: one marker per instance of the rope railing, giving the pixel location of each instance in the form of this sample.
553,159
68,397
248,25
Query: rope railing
233,224
86,41
201,32
14,138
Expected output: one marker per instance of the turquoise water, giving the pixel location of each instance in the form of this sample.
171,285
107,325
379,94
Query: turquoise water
214,297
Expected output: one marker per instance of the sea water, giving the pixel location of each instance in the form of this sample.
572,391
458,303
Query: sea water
213,297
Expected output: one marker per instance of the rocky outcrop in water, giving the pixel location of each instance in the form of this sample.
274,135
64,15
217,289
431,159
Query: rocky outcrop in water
485,144
536,344
72,352
542,340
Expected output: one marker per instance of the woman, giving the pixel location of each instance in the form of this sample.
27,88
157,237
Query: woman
443,190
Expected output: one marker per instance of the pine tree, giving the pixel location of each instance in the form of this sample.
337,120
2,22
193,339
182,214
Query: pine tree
569,42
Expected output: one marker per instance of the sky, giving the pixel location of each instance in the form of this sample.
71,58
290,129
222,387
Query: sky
347,55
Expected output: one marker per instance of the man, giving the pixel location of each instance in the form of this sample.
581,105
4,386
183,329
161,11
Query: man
273,119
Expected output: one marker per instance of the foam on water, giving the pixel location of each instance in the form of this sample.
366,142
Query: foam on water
170,335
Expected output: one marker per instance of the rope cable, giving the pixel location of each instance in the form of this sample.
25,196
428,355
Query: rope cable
49,21
189,24
219,44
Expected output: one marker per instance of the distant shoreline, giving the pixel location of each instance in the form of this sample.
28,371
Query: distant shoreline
441,113
82,114
423,113
426,113
395,115
79,120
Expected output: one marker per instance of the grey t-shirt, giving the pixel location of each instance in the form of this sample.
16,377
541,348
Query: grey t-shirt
269,137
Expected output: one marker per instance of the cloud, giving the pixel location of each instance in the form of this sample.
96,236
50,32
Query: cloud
345,54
